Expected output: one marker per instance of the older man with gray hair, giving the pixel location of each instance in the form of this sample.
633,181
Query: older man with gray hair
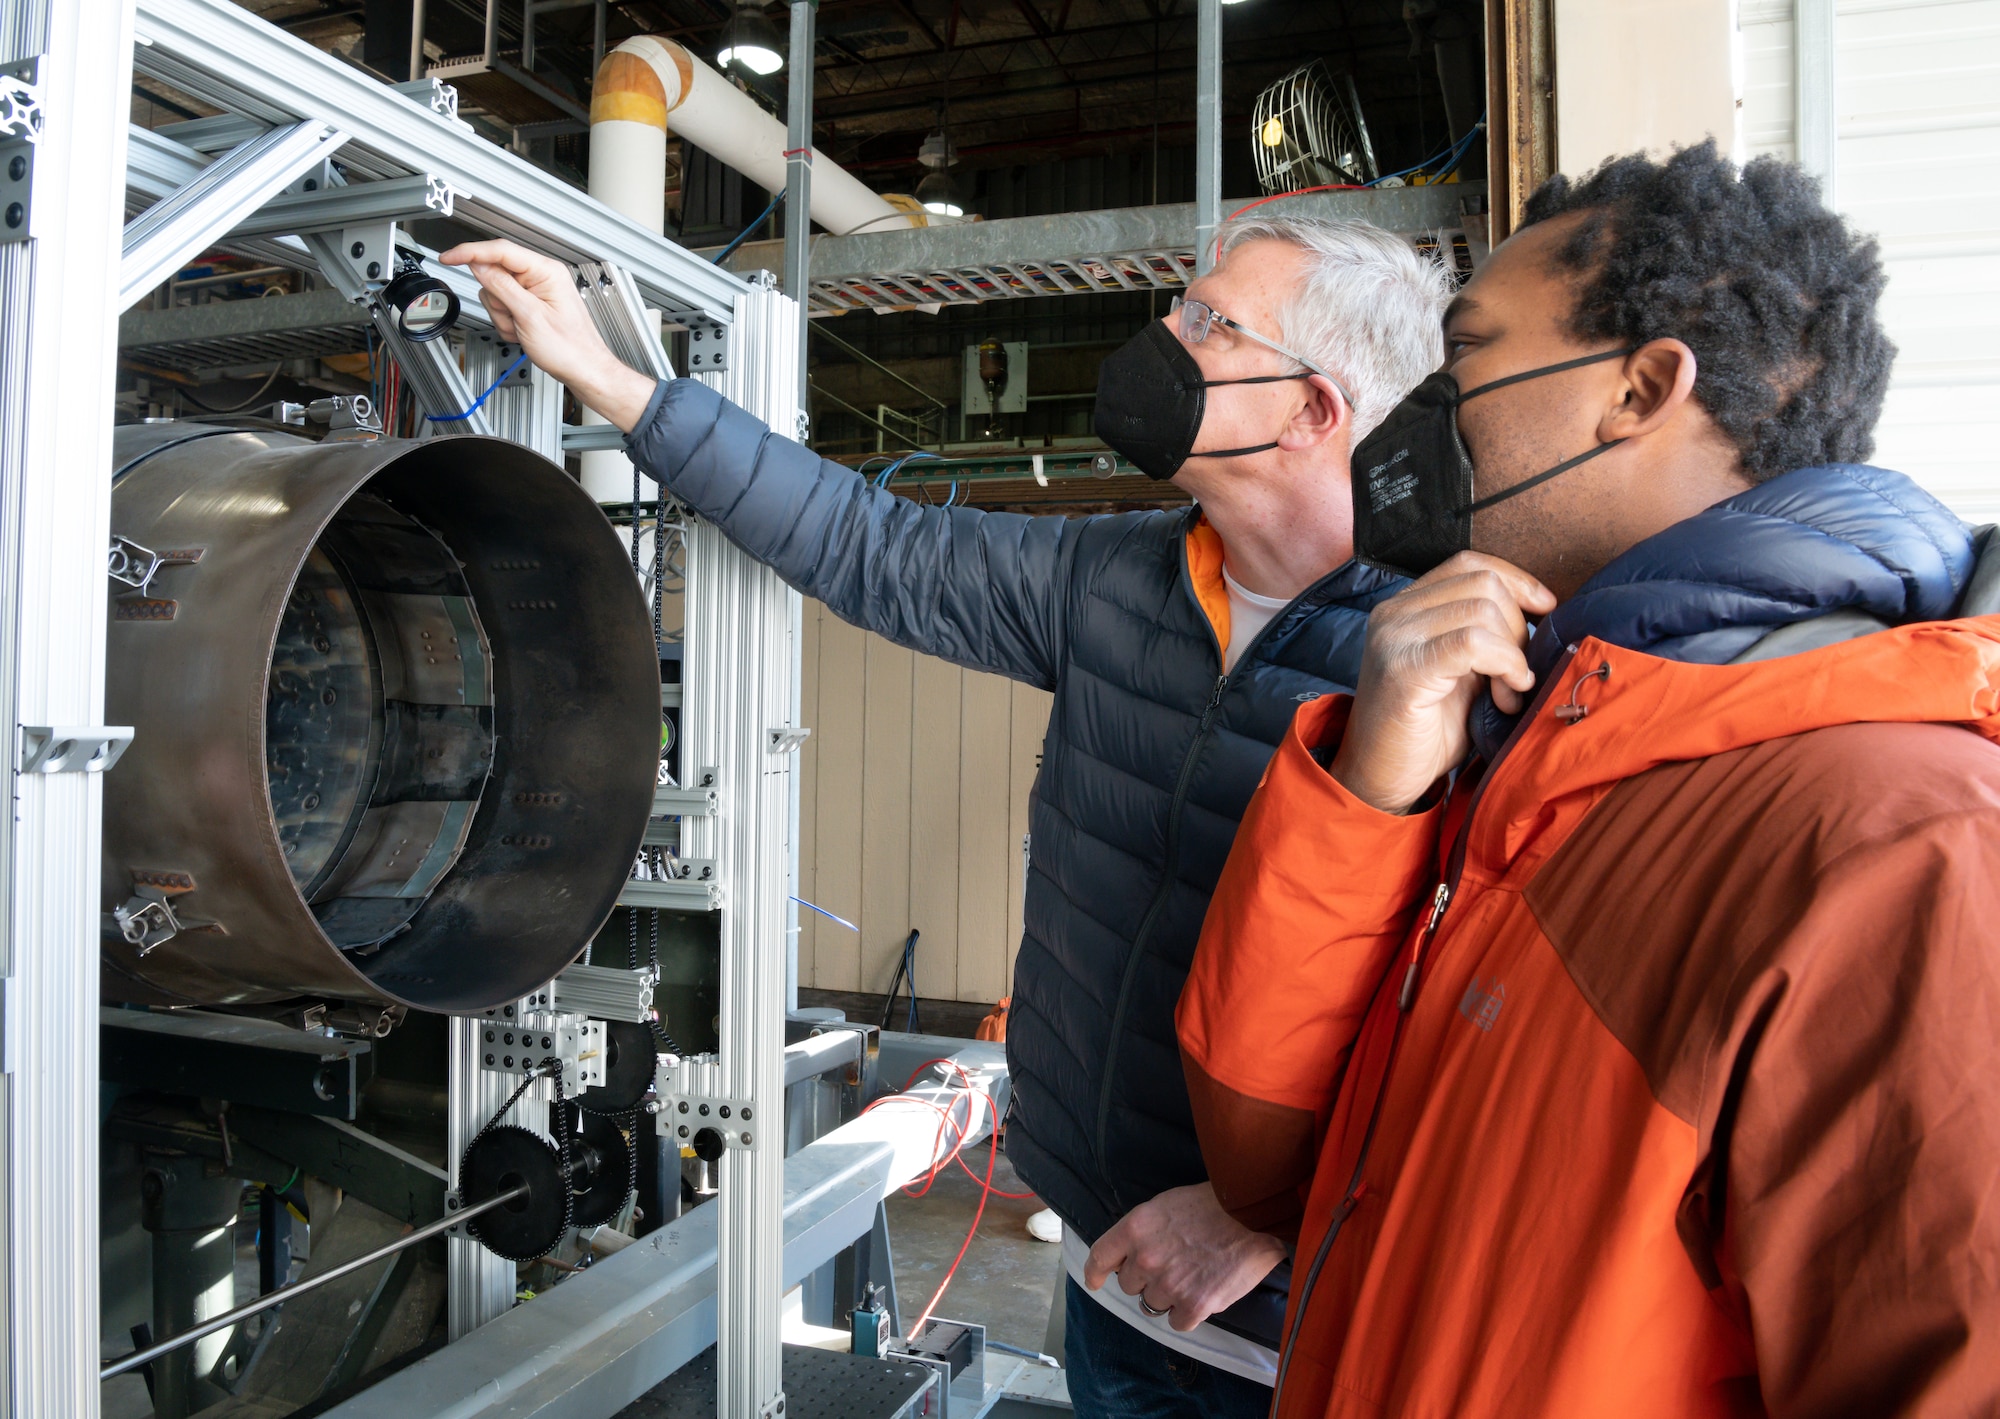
1177,645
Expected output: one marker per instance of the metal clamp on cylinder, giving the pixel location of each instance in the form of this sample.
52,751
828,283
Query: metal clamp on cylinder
146,921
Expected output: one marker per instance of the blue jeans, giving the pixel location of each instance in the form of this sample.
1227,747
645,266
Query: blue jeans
1117,1371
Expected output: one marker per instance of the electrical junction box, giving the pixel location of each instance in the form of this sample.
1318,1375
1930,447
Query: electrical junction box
1011,388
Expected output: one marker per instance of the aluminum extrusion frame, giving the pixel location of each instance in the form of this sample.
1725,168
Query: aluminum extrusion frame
228,56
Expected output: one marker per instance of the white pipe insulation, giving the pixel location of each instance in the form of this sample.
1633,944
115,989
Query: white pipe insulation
638,85
644,80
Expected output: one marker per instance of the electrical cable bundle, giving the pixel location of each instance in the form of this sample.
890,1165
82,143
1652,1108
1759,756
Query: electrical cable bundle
939,1162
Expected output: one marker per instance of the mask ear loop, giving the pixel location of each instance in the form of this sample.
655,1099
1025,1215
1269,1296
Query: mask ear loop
1543,477
1576,364
1505,493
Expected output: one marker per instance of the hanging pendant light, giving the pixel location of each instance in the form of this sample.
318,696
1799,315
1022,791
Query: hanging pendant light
937,193
752,41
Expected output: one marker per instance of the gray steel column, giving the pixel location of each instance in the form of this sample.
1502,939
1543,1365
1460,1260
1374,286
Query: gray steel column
1207,130
417,64
1815,117
798,263
798,180
58,349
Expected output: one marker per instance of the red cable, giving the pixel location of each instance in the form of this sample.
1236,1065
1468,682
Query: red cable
956,1154
1296,192
973,1231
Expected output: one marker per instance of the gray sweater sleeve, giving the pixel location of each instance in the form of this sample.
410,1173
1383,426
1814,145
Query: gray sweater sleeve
981,589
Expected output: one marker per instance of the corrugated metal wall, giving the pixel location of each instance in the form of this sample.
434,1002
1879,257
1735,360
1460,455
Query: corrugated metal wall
1918,164
913,804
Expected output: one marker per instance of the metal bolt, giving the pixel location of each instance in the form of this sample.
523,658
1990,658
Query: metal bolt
16,214
703,1110
312,184
510,1038
18,168
489,1058
746,1113
684,1130
489,1037
684,1105
357,249
327,698
548,1043
724,1111
746,1139
508,1061
310,802
374,269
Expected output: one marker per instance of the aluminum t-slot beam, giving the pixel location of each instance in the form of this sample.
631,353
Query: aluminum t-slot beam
394,199
224,55
168,234
633,332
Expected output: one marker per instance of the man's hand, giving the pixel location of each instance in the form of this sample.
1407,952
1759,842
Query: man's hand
1182,1253
534,304
1431,649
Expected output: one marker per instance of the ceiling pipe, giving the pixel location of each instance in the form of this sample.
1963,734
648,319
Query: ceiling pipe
644,80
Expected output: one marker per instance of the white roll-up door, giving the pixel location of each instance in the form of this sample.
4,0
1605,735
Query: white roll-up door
1917,109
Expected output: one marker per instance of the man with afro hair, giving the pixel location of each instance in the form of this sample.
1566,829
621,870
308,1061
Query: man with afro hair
1606,996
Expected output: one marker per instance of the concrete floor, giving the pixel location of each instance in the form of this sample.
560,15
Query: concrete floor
1007,1279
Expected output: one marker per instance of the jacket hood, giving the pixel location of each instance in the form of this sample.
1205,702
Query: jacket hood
1844,537
1642,710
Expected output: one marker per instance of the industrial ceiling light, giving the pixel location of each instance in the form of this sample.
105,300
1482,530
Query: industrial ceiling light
937,193
752,41
425,307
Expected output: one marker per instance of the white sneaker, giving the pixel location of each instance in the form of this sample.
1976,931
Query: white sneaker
1045,1226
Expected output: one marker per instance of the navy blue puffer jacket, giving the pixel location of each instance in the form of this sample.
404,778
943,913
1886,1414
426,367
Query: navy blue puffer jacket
1151,755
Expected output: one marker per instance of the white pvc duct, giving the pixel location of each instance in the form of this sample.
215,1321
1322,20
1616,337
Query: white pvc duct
629,108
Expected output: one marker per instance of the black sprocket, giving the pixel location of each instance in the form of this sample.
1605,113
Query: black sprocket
502,1158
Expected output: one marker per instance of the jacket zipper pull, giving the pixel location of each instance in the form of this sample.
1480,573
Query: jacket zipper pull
1214,699
1439,901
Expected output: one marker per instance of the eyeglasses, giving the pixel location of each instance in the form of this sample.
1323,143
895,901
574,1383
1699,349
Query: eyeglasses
1197,318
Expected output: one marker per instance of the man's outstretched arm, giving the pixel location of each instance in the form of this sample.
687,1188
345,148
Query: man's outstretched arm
979,589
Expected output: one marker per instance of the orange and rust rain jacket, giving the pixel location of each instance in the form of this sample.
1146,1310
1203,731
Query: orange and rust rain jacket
1656,1070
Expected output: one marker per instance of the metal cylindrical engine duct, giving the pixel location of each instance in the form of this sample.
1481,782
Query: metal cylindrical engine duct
398,721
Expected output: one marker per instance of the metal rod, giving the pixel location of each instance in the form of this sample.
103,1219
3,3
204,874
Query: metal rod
1207,131
417,65
798,181
825,394
299,1288
818,327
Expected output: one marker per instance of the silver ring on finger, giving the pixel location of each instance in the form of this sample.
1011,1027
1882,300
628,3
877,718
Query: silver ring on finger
1149,1310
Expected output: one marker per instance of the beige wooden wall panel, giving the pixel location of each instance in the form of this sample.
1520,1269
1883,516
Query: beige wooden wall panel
913,803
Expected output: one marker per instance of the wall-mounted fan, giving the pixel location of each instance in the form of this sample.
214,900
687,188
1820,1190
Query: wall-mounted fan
1308,131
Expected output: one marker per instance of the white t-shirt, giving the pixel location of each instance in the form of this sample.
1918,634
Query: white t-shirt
1210,1344
1249,613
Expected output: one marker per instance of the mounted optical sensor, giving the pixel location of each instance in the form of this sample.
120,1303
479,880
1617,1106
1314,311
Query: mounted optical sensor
425,307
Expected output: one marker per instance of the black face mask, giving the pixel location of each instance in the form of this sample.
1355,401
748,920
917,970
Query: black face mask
1413,502
1151,398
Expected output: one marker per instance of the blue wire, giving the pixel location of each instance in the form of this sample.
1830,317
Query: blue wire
724,254
1449,154
519,360
829,915
882,478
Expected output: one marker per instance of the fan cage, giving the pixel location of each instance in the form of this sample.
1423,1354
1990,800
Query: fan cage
1307,131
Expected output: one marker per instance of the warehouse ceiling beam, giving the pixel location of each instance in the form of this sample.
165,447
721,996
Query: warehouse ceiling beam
186,223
